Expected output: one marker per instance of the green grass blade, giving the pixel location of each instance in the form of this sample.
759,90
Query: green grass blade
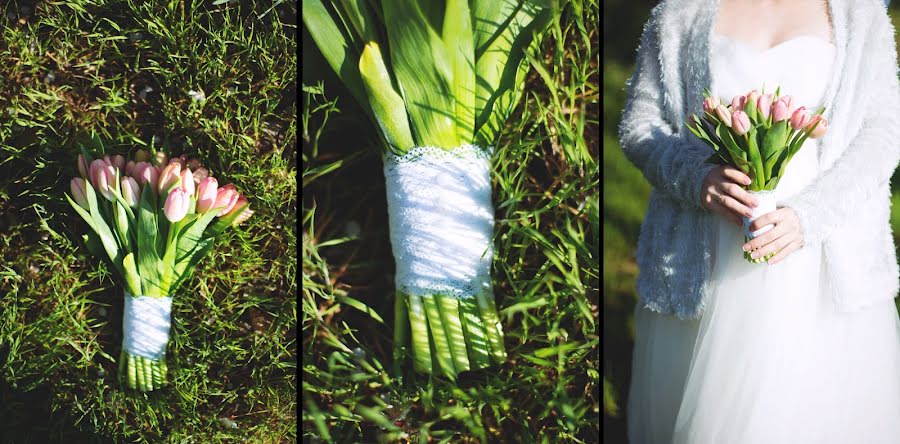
335,46
457,36
387,105
424,73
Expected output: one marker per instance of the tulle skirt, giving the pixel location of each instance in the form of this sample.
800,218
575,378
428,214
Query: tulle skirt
770,361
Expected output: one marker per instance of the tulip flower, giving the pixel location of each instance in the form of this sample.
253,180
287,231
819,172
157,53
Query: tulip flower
96,166
789,103
106,182
710,104
200,174
751,97
737,103
207,191
147,175
169,176
226,197
108,160
800,118
78,187
194,164
740,122
780,110
244,216
242,209
176,206
160,159
177,160
131,191
141,156
764,104
119,162
821,126
129,167
724,115
82,167
187,182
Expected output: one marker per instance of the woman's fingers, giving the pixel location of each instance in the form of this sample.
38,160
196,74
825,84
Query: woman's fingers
734,206
741,195
735,175
773,247
765,238
790,248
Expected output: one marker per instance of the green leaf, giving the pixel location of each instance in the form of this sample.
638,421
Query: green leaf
148,258
457,36
193,234
132,278
107,239
387,105
335,46
424,73
364,25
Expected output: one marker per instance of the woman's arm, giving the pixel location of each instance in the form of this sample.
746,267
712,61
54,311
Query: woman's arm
868,162
670,163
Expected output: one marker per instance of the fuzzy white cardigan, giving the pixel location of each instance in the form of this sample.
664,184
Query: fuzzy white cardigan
846,209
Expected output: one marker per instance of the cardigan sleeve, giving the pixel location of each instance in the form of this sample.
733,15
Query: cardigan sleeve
867,163
671,164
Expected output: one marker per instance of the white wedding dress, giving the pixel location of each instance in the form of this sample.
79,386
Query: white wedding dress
771,360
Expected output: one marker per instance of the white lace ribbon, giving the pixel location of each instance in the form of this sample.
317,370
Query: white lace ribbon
145,325
441,220
767,201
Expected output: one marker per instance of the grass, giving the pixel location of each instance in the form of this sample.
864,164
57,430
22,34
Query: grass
211,79
546,268
626,194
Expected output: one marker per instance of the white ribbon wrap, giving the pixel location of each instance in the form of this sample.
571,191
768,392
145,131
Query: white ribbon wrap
145,325
767,201
441,220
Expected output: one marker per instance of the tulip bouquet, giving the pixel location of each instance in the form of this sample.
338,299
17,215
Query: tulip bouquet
438,79
155,219
757,134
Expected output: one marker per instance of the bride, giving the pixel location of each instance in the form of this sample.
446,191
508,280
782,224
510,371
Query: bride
804,348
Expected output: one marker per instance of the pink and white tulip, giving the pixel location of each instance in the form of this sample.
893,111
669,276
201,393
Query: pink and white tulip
131,191
187,182
147,175
106,182
82,166
119,162
740,122
207,191
226,198
78,187
764,104
177,205
169,176
724,115
200,174
821,126
800,118
780,111
710,104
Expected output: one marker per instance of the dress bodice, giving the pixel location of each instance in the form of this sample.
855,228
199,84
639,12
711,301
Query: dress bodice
801,66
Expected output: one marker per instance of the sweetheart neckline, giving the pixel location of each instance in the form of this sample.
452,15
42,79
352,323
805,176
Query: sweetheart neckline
772,48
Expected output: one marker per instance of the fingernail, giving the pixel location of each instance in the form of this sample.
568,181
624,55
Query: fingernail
754,255
746,247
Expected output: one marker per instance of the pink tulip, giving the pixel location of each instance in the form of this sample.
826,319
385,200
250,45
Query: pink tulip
187,182
242,209
169,176
800,118
764,104
724,115
129,167
740,122
106,182
710,104
96,166
131,191
200,174
207,191
176,206
194,164
226,198
244,216
82,166
177,160
148,175
789,103
108,160
820,129
119,162
141,156
138,169
160,159
737,103
780,111
751,97
78,187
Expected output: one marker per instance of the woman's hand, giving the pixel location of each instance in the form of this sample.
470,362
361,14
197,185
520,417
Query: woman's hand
723,193
785,237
